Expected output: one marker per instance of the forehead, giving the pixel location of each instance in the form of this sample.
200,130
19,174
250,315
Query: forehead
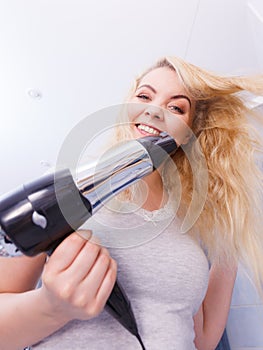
163,79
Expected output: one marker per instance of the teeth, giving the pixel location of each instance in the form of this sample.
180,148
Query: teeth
148,129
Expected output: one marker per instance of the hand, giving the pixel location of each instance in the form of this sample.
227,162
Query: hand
78,279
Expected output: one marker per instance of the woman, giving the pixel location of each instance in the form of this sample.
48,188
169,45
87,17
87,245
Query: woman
179,303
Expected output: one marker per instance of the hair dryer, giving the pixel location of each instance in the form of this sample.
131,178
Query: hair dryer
37,216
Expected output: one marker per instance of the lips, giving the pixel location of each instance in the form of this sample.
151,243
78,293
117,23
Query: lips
147,129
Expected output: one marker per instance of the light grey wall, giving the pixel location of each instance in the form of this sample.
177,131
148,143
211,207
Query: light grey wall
245,319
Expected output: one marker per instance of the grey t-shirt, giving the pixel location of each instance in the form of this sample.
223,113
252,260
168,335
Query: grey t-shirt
164,273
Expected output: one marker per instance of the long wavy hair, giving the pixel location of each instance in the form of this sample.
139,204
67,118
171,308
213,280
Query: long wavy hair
230,222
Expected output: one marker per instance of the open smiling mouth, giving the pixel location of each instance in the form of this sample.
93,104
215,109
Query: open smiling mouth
147,130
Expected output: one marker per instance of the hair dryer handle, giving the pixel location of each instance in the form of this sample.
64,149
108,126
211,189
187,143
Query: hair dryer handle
119,306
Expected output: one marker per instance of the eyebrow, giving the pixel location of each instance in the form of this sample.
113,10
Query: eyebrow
175,97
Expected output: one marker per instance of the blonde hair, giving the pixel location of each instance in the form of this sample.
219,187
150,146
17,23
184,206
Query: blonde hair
230,223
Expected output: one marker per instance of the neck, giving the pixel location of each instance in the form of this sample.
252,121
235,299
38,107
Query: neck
154,193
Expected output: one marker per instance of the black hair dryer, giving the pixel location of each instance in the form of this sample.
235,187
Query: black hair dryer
37,216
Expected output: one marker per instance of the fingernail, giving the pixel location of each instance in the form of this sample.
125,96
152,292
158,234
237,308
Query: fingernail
86,234
95,240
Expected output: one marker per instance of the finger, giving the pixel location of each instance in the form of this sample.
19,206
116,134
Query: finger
66,252
84,262
98,272
86,234
107,284
95,240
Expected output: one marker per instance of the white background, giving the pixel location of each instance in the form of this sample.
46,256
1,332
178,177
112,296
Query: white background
81,55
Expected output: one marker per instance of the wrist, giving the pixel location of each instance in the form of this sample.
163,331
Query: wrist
49,310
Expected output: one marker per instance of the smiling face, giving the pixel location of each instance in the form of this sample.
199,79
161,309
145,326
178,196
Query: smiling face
160,103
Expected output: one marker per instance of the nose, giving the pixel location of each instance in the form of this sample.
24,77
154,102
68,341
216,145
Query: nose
154,112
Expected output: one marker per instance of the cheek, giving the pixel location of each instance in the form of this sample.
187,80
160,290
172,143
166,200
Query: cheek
134,110
188,120
178,129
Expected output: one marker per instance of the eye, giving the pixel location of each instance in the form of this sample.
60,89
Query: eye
176,109
143,97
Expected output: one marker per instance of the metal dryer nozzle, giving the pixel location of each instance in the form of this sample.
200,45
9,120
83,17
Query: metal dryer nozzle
122,166
37,216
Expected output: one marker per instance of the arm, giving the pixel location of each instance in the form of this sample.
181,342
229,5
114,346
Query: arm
210,320
75,285
19,274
